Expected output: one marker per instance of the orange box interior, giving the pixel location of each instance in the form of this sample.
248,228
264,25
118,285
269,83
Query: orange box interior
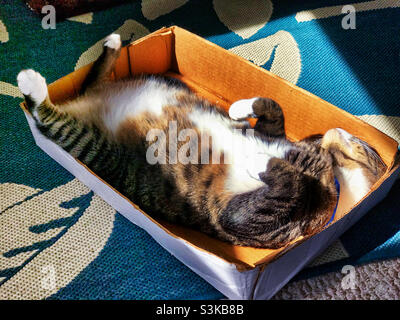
222,77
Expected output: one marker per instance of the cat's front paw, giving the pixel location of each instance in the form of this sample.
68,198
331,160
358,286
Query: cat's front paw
32,85
268,108
113,41
242,109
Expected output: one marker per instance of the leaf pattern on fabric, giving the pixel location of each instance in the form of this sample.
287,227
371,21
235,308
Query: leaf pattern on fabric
131,30
286,61
152,9
86,18
244,19
10,90
386,124
42,229
4,36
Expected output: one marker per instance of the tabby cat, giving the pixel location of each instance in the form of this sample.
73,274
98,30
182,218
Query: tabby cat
265,193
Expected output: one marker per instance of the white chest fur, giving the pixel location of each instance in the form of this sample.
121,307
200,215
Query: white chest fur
246,155
127,103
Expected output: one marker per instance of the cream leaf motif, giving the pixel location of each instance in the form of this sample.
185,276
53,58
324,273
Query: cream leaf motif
286,61
86,18
389,125
244,18
152,9
10,90
4,36
30,216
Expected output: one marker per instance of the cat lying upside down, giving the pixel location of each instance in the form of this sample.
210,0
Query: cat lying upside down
264,193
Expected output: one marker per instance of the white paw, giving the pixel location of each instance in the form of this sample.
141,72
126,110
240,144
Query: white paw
242,109
113,41
32,85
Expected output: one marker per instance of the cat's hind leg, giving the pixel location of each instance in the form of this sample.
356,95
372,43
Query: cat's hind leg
50,120
270,122
80,140
48,117
104,65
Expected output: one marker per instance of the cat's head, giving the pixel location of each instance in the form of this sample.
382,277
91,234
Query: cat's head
356,164
351,153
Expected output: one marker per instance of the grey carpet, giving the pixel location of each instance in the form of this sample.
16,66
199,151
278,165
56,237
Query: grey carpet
374,281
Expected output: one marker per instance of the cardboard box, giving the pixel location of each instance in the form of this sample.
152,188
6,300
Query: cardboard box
222,77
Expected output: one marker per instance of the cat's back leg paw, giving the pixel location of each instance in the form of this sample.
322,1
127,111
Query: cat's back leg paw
113,41
32,85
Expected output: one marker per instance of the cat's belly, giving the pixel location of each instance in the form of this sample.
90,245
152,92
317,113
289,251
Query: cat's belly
129,103
246,155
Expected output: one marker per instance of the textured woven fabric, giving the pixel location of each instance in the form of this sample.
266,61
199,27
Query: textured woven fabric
372,281
60,241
